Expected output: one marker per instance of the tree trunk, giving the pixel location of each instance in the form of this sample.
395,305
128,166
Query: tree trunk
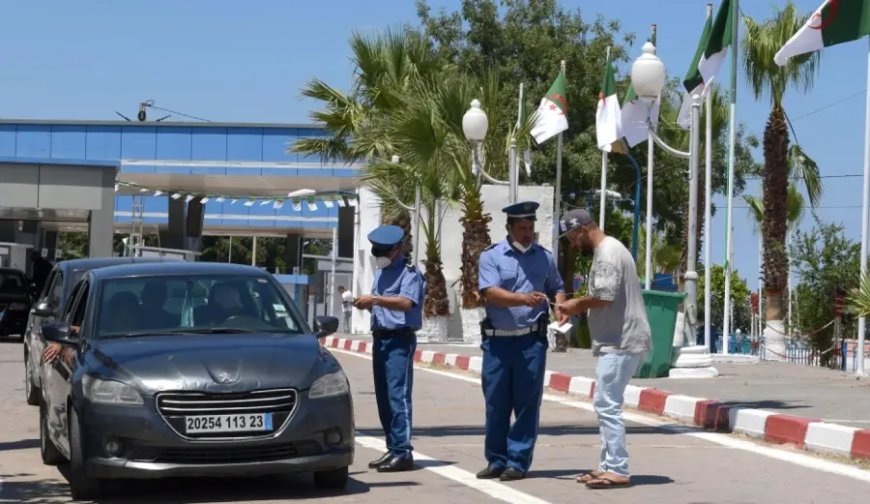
774,223
435,302
475,238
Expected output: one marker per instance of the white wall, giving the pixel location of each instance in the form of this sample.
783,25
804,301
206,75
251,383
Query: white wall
494,199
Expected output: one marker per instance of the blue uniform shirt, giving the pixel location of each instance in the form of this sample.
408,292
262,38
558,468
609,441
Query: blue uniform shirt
503,266
398,279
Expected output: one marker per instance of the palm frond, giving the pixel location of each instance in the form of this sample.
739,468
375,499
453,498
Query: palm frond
794,206
806,169
859,298
761,43
756,209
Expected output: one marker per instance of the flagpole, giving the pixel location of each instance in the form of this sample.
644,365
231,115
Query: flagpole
732,136
708,213
865,220
557,197
603,195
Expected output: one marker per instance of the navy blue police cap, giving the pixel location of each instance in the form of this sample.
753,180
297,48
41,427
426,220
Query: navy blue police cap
386,237
522,210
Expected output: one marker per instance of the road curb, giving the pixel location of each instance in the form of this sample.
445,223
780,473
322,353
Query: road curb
810,434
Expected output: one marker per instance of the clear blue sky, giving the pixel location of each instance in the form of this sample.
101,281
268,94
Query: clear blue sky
246,61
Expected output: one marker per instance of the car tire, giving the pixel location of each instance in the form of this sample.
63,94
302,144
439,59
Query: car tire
332,479
31,392
50,454
82,486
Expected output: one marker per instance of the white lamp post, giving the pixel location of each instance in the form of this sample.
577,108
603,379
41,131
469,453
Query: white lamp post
474,126
648,79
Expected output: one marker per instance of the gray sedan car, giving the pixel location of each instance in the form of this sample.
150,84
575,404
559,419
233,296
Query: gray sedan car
191,369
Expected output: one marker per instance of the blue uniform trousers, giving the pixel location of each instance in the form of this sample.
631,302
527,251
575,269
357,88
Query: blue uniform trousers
513,381
393,366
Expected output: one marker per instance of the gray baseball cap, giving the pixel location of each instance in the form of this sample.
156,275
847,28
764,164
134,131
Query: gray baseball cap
574,219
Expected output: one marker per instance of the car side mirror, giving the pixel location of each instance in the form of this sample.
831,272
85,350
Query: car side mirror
43,309
59,333
325,325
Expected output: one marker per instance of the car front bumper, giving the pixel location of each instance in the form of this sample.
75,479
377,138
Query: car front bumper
150,448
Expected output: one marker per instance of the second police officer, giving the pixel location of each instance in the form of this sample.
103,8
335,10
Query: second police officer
517,278
396,303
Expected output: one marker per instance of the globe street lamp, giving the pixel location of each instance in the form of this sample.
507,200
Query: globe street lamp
474,126
647,79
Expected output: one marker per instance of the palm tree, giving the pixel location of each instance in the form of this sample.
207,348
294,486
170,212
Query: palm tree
794,213
859,298
760,44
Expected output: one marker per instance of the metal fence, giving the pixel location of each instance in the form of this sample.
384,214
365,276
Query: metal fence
796,352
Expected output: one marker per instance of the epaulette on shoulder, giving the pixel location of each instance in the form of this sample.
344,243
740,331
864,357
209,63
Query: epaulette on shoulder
490,247
411,267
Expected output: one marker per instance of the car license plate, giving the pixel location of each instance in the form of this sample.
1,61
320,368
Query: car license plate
256,422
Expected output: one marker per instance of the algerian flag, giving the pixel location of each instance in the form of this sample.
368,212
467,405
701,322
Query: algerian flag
552,116
638,116
834,22
521,118
608,120
711,52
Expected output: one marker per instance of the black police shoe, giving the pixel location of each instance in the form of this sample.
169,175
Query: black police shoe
490,472
397,463
511,474
383,458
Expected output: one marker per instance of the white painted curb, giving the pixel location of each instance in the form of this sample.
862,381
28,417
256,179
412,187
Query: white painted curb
748,421
450,359
830,438
427,356
580,385
476,364
681,407
632,395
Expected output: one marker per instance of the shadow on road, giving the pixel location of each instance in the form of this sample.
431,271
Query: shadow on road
188,490
21,444
544,430
27,492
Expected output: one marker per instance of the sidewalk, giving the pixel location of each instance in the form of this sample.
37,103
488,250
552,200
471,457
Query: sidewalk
814,408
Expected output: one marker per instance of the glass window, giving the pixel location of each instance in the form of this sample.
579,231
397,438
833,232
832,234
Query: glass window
11,281
56,291
193,304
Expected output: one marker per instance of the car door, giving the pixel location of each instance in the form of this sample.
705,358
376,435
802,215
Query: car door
35,343
57,384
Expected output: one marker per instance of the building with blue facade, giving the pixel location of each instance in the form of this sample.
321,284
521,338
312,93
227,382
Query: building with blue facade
183,180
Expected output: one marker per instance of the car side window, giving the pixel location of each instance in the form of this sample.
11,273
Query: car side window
68,310
78,313
55,290
43,296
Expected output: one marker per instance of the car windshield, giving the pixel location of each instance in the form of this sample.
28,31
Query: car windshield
11,281
155,305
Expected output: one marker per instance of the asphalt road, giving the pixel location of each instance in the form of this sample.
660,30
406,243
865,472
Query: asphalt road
669,463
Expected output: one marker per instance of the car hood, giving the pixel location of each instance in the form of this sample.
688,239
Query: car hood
212,362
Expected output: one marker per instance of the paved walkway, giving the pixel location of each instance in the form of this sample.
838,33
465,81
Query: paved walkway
801,394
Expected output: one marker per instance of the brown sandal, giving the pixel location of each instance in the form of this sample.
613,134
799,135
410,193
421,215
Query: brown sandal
589,476
608,480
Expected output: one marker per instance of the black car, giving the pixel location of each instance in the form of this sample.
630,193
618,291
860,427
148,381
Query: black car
16,296
51,302
191,369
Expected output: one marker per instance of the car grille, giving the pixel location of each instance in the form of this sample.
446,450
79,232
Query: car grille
175,406
225,455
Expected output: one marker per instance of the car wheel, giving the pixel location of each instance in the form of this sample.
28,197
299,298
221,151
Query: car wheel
82,487
332,479
31,391
50,454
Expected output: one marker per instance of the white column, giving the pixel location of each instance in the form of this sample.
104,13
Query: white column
650,162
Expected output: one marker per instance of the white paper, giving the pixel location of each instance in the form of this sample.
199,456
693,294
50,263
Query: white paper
563,328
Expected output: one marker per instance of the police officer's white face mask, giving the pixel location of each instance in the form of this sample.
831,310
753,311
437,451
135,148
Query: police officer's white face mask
520,247
382,262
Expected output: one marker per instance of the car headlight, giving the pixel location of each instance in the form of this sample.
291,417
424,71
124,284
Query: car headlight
109,391
332,384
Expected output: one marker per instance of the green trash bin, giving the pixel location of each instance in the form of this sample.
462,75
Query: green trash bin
661,310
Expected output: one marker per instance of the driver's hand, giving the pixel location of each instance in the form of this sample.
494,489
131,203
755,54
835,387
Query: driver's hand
52,350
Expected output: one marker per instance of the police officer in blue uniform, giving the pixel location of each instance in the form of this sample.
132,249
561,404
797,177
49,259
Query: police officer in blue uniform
517,277
396,303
